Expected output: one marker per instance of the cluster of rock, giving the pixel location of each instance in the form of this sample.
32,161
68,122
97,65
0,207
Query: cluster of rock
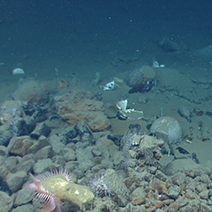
27,143
123,171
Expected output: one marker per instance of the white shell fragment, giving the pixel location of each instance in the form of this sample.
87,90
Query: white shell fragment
18,71
109,86
122,106
155,64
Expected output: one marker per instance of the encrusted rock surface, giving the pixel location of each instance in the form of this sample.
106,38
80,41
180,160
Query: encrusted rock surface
77,105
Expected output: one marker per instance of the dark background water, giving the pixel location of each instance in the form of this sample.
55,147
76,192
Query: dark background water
41,35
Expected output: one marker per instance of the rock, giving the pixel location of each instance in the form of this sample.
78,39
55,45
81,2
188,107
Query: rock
117,157
40,115
24,208
174,191
58,159
19,126
115,138
45,152
160,186
31,94
160,175
158,204
198,112
149,147
178,178
131,208
201,187
16,180
209,112
5,134
4,187
3,151
84,132
20,145
6,202
193,205
133,154
82,128
41,129
96,120
11,162
176,165
42,166
173,207
77,105
204,195
205,207
185,113
69,133
68,154
106,205
28,157
141,79
85,158
96,152
137,193
24,166
9,110
169,45
56,144
30,123
22,197
4,171
39,144
117,187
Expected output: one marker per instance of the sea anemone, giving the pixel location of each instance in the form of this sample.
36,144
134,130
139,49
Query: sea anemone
49,202
99,186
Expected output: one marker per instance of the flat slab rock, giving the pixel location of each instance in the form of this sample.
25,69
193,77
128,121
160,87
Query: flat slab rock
77,105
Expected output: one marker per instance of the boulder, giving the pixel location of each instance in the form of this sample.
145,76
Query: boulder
16,180
20,145
6,202
77,105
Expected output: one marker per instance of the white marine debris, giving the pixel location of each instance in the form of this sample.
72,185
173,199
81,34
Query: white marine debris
155,64
125,113
18,71
109,86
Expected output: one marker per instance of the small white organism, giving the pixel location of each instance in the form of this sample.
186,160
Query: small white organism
99,186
